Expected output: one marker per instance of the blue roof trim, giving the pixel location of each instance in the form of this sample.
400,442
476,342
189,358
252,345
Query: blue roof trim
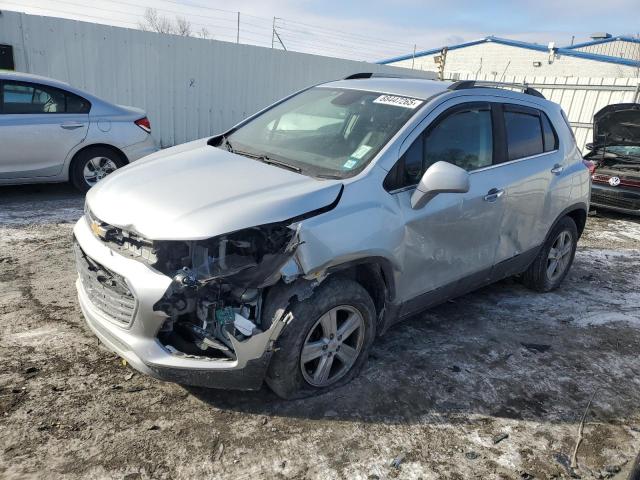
431,52
622,38
570,52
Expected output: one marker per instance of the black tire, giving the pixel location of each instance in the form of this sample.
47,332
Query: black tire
285,375
536,276
76,173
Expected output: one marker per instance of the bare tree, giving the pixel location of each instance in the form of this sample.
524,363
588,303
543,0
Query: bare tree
203,32
154,22
183,27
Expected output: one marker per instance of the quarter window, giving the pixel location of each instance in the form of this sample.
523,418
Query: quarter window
524,134
27,98
550,137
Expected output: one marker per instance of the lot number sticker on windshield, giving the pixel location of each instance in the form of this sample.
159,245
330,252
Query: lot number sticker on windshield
405,102
360,152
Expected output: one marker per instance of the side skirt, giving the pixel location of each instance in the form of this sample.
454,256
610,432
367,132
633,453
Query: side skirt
395,312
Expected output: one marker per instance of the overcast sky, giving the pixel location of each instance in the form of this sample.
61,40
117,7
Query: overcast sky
371,29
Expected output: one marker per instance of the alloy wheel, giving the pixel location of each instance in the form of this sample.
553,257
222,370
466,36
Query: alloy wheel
332,346
559,255
97,168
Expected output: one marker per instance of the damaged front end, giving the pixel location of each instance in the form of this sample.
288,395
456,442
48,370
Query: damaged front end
222,304
215,300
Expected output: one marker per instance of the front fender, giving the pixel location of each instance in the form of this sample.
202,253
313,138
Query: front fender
363,228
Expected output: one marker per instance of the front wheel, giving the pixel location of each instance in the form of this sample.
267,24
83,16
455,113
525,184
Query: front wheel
92,165
326,343
552,264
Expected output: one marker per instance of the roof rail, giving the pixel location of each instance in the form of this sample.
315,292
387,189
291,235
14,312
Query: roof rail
359,75
356,76
464,84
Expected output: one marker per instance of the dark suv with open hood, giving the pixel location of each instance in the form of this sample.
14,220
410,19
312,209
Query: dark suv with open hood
615,153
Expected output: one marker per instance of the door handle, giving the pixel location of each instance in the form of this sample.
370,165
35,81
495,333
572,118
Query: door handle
71,126
493,195
557,169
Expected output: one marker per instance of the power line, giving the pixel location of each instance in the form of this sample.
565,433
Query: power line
332,46
297,36
57,10
337,41
364,37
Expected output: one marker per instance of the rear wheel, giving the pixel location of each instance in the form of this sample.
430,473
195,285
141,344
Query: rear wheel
553,262
327,342
92,165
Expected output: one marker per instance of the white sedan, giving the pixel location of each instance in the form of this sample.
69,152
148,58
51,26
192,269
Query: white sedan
53,132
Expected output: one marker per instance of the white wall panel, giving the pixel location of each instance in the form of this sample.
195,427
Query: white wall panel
190,87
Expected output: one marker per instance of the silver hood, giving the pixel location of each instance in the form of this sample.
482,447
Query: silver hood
195,191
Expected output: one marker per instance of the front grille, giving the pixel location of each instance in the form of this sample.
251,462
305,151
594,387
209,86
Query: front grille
615,199
125,243
107,291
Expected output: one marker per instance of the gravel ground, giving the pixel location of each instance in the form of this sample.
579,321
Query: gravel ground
491,385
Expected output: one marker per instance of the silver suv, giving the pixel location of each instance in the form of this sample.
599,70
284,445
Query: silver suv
280,249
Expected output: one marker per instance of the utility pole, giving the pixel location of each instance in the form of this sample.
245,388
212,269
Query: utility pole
440,62
238,31
275,36
413,59
273,32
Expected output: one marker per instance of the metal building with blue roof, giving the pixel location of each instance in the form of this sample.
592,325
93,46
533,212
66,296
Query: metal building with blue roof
605,56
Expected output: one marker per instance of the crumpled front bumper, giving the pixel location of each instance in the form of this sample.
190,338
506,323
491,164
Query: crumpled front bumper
138,343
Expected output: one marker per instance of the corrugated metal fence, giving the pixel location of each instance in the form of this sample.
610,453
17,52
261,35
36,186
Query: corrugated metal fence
190,87
580,97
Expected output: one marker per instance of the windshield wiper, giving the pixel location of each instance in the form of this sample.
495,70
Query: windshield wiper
328,176
278,163
268,160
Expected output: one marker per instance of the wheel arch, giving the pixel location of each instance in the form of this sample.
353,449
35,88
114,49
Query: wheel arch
77,154
577,212
375,274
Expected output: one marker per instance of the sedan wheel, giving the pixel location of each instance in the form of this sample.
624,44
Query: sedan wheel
97,168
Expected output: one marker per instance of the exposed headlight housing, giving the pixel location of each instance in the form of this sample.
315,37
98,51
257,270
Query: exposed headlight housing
248,257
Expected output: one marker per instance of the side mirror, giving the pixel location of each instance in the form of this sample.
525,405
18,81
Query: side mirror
441,177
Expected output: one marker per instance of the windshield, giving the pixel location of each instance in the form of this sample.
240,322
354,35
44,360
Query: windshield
621,150
325,131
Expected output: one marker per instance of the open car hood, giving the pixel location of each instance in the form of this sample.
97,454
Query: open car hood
617,124
195,191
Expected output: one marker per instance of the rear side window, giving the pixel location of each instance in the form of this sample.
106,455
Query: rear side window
30,98
76,104
524,134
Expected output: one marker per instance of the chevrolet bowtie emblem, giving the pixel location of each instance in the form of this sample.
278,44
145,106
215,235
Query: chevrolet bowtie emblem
98,230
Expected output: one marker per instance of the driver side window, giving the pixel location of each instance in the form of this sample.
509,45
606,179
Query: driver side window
462,136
